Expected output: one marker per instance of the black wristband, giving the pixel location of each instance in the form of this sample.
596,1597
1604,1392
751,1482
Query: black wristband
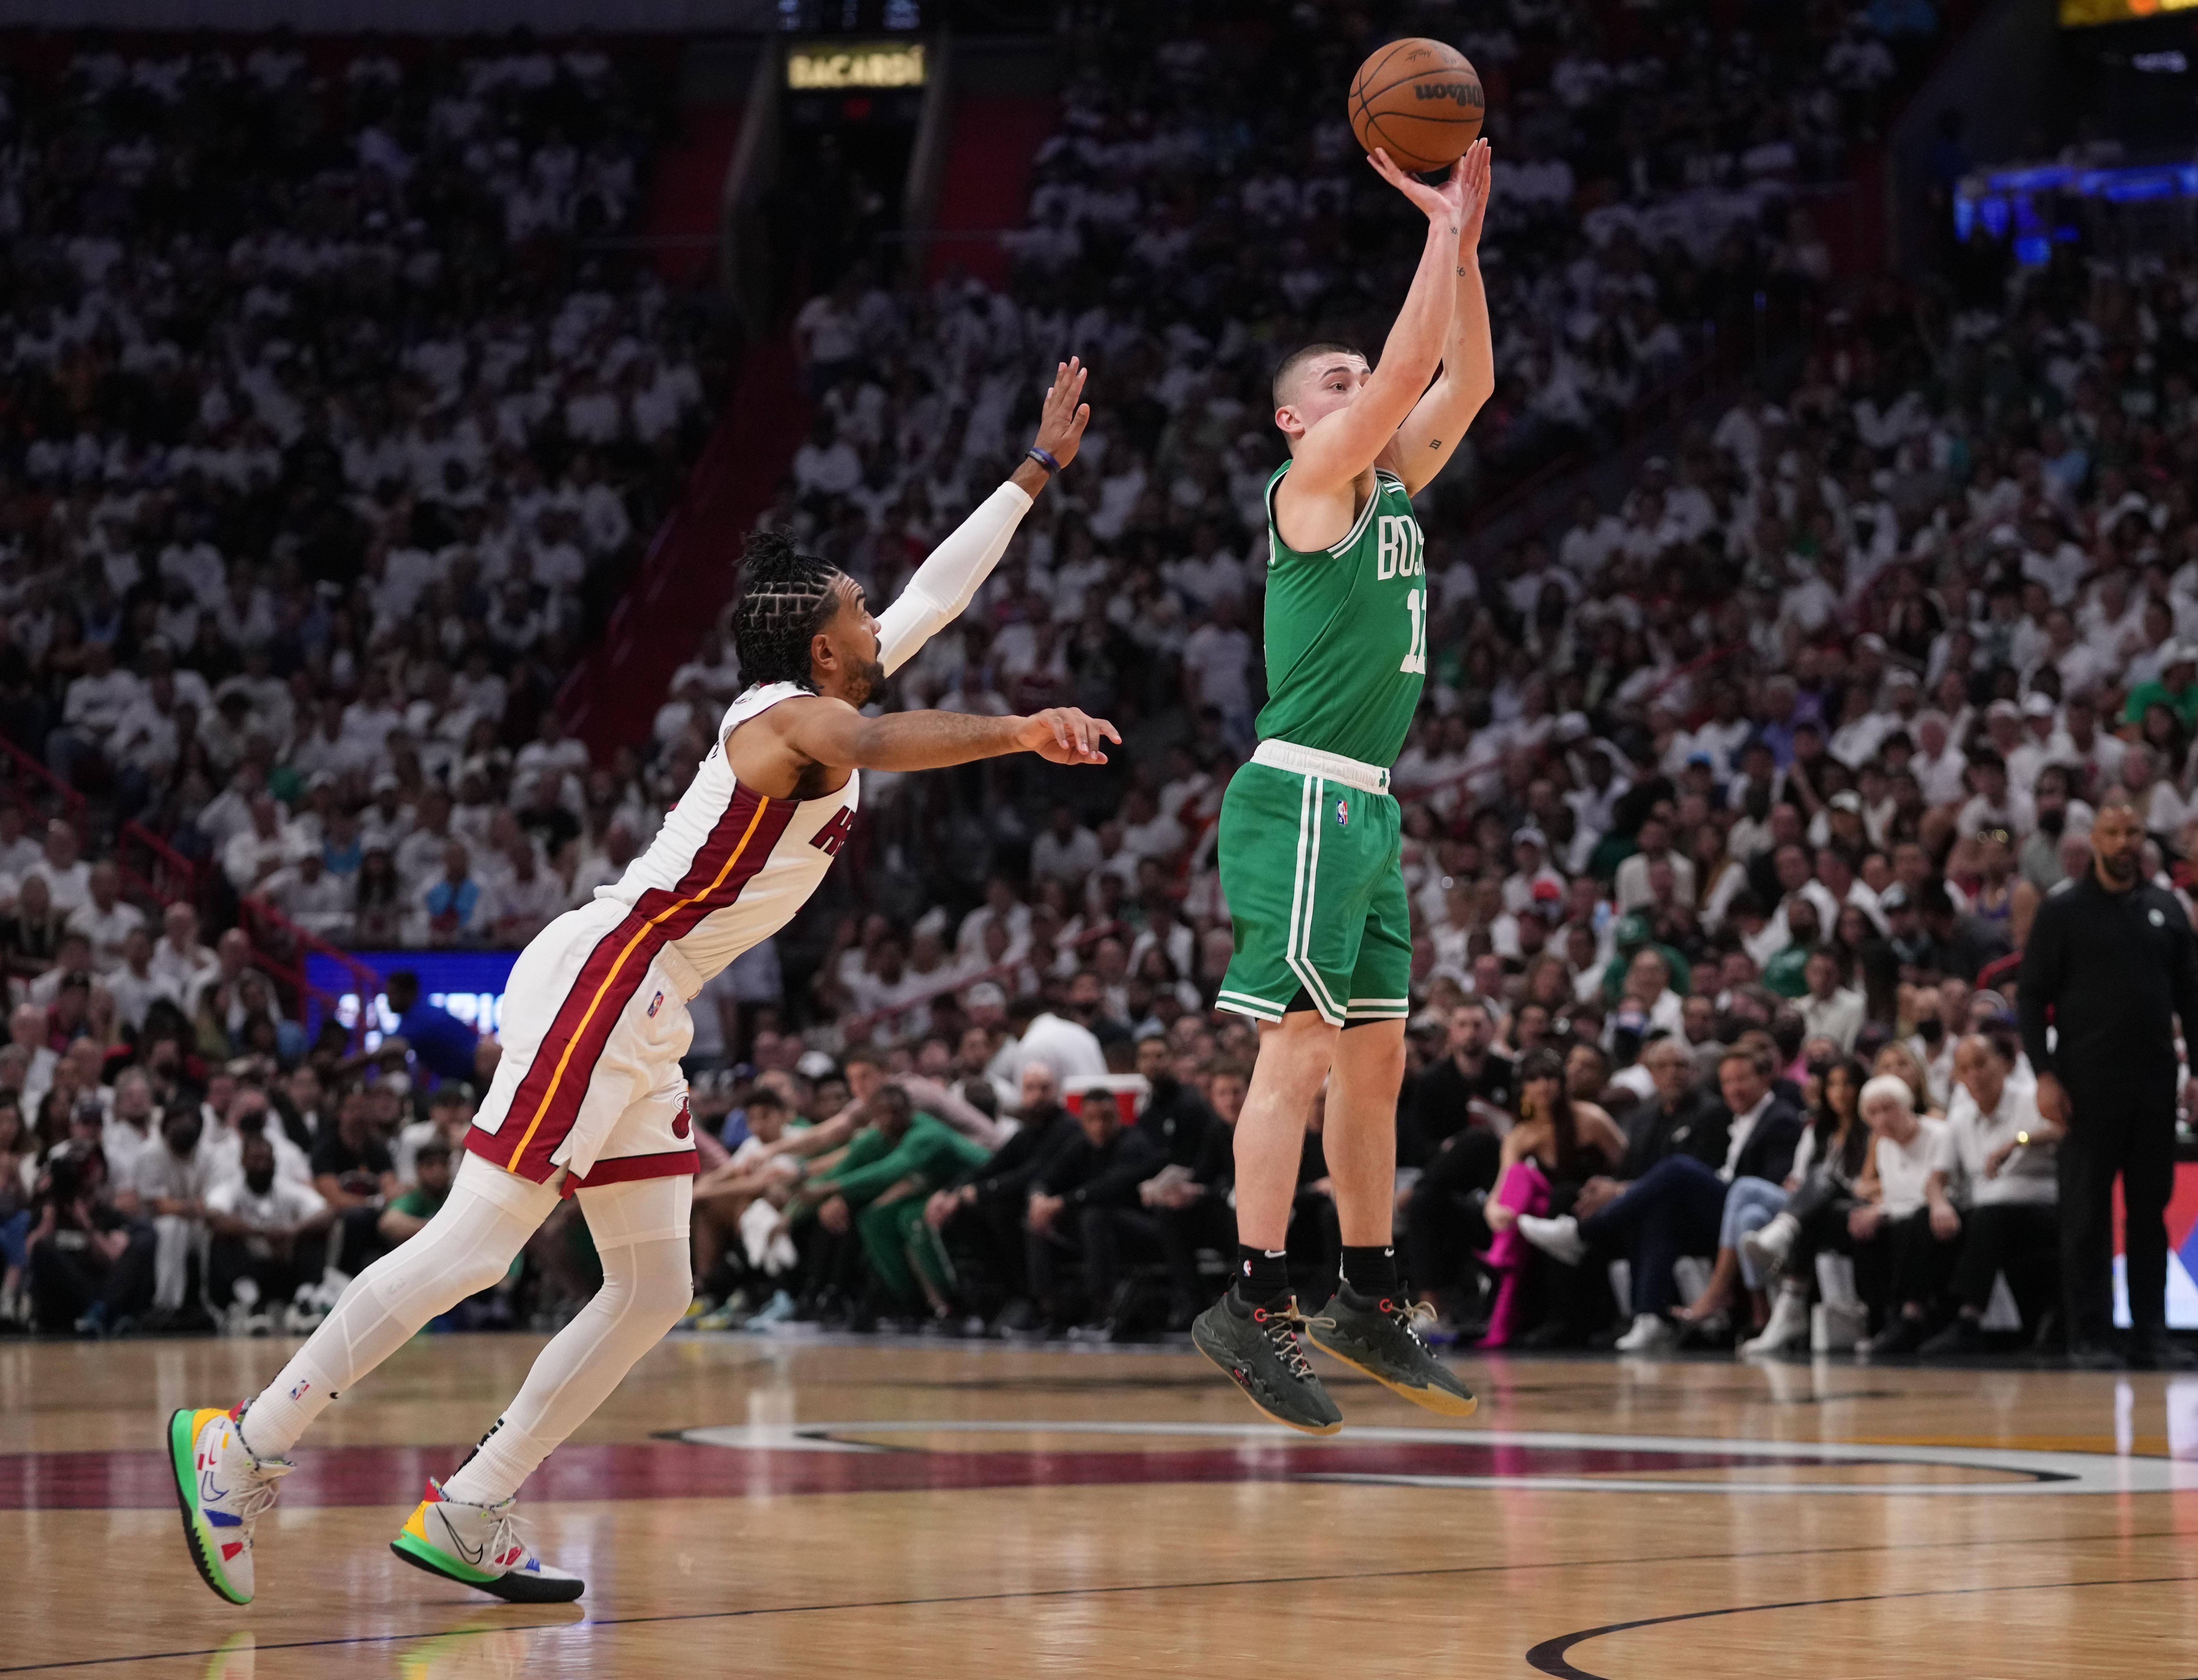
1044,460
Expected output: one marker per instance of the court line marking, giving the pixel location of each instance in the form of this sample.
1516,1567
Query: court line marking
1552,1656
2115,1538
2042,1473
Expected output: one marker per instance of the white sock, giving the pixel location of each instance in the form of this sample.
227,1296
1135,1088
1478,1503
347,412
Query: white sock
464,1248
640,1230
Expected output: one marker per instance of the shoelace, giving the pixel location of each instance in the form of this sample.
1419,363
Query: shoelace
505,1537
258,1499
1281,1325
1410,1316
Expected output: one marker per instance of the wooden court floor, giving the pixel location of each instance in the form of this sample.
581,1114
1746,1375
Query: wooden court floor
803,1507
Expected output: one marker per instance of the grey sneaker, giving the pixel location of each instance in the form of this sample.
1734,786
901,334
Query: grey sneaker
1260,1352
1380,1339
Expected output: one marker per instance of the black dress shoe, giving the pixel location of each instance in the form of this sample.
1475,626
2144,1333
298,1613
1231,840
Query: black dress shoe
1902,1334
2157,1350
1963,1337
1713,1332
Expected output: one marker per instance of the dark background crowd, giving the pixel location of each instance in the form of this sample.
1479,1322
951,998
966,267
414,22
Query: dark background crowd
1738,786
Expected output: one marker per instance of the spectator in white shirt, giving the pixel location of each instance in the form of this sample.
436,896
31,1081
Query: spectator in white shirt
1044,1038
1633,880
18,851
255,855
129,1127
66,876
27,1031
180,964
1993,1184
524,901
827,465
304,890
1066,851
1001,906
132,982
1828,1009
104,919
1529,851
94,703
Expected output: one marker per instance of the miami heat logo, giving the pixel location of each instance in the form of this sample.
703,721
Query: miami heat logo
682,1122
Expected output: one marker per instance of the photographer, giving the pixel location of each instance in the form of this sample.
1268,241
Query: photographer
92,1268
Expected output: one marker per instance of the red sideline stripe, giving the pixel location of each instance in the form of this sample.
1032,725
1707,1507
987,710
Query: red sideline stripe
592,1008
624,1169
651,1470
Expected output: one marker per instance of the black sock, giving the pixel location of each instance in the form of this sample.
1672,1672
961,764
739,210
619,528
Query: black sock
1370,1272
1263,1276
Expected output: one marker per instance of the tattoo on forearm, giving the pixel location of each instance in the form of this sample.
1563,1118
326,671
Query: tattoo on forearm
1434,443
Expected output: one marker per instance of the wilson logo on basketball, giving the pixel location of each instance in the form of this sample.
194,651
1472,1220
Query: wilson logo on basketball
1467,94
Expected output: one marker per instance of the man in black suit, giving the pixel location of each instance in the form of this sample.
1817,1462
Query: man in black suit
1675,1207
1676,1119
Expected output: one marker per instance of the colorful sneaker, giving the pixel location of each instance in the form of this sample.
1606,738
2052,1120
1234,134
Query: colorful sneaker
1260,1352
224,1491
481,1546
1380,1339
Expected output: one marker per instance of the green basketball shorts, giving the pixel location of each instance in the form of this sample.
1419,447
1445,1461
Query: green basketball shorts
1314,875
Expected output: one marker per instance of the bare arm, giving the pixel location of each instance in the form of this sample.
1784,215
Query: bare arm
1601,1131
952,1107
832,732
1424,443
1343,445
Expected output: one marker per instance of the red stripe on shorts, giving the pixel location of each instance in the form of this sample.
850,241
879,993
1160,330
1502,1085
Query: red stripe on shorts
557,1085
626,1169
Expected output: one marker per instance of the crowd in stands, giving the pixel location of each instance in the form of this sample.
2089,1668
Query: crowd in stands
332,411
1725,818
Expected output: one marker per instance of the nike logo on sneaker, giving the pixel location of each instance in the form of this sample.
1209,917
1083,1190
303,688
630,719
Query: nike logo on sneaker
208,1491
473,1555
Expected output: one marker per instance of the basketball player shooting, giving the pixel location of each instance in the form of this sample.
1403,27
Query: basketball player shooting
588,1099
1309,834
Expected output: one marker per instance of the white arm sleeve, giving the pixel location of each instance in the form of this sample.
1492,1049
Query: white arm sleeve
950,577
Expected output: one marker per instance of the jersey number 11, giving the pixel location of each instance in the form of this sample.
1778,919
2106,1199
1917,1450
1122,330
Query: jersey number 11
1415,655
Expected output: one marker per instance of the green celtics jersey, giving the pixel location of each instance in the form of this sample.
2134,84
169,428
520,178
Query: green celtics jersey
1347,632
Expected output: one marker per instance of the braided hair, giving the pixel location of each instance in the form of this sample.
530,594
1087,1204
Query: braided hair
786,598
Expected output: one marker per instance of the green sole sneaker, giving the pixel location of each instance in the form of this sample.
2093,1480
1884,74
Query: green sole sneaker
1261,1355
478,1546
1377,1339
222,1491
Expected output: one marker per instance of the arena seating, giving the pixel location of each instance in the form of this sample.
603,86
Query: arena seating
1767,760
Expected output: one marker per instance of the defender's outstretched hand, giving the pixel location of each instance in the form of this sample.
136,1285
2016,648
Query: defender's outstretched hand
1060,423
1435,202
1061,734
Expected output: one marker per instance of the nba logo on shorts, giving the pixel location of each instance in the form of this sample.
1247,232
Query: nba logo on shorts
654,1004
1343,813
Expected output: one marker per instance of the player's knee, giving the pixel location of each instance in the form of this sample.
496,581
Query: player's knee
659,1279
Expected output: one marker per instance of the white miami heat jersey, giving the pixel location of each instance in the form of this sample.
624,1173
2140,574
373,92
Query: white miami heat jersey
731,867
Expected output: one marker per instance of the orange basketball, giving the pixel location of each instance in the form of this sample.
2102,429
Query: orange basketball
1420,101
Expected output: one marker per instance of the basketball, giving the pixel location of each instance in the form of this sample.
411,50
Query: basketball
1420,101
